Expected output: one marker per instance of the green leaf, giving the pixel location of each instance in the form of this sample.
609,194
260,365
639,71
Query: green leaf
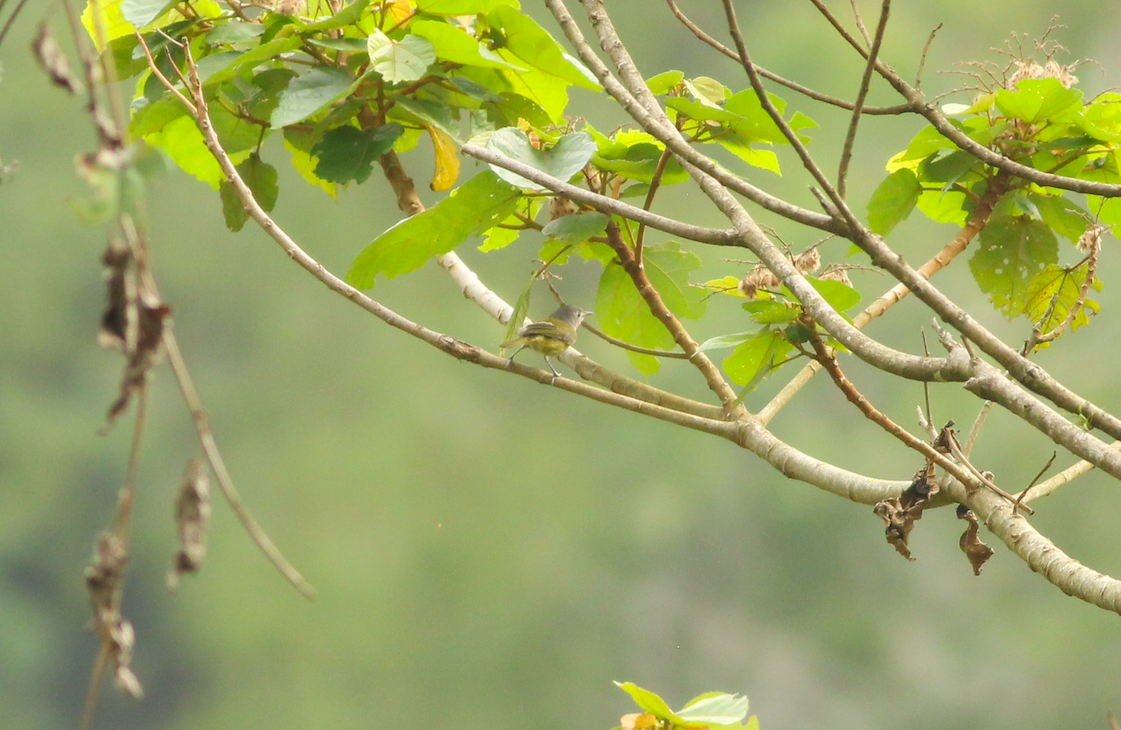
623,313
722,342
1064,217
1036,100
664,82
563,160
347,16
708,91
1012,252
531,43
648,701
716,708
945,207
454,44
474,207
497,237
668,268
397,61
1053,292
839,295
233,63
546,90
261,178
348,153
424,110
233,210
893,201
634,155
756,357
142,12
577,227
299,143
947,169
183,143
307,94
461,7
234,32
769,311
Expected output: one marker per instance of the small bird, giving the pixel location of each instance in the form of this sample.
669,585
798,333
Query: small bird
551,336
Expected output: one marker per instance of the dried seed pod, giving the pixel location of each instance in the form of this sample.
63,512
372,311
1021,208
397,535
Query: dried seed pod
808,261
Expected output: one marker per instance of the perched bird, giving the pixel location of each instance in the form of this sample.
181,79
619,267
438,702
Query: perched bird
551,336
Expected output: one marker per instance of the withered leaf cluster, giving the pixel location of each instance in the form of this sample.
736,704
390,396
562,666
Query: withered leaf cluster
900,514
53,60
133,321
103,580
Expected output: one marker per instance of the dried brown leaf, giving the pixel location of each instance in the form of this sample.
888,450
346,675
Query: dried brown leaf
133,321
900,514
53,60
103,577
977,551
192,517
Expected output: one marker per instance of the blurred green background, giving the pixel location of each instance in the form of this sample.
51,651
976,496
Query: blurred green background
489,553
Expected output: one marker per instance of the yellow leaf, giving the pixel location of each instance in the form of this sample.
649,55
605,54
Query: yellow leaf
447,162
400,10
108,25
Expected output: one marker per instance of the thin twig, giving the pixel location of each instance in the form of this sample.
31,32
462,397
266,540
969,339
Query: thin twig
922,57
772,76
11,20
859,22
125,501
713,378
862,94
210,447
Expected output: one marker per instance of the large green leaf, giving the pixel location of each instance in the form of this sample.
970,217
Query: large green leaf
221,67
623,313
142,12
757,356
668,268
461,7
474,207
307,94
1036,100
893,200
1064,217
648,701
715,708
1012,251
454,44
261,178
347,153
563,160
531,43
577,227
405,60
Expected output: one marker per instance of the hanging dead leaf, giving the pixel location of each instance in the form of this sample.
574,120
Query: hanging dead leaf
192,516
901,513
447,161
133,321
53,60
977,551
